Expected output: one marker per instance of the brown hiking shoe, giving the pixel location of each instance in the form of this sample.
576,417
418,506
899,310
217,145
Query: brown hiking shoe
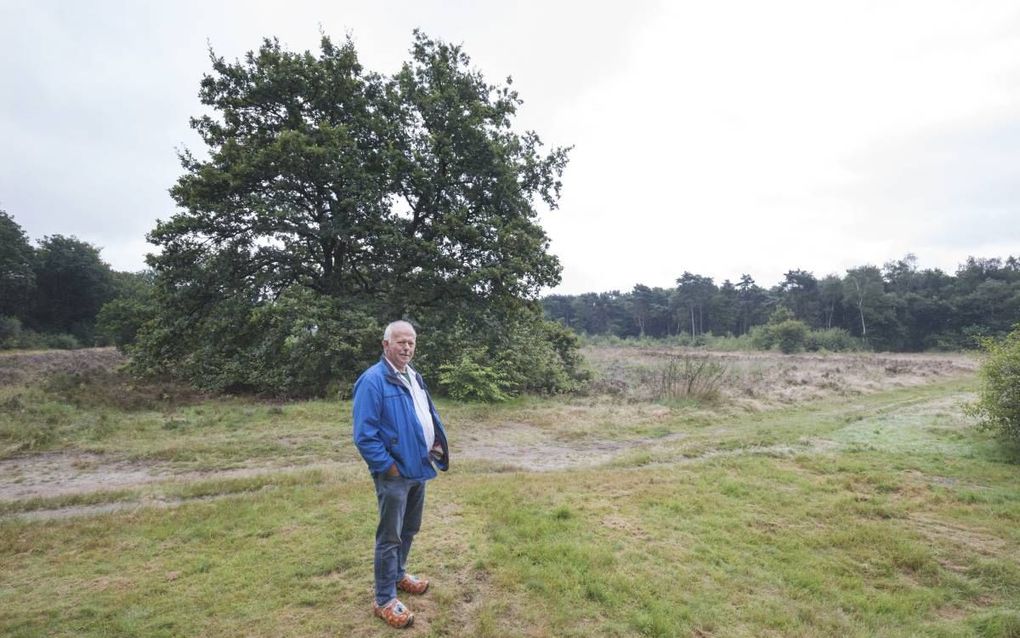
413,584
394,613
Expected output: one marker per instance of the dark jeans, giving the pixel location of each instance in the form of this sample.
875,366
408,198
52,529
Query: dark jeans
401,502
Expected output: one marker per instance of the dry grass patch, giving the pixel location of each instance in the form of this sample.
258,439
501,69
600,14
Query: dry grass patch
760,380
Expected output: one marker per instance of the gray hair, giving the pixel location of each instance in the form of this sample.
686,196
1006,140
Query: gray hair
389,329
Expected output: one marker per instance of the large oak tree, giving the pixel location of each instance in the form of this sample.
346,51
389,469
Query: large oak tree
331,199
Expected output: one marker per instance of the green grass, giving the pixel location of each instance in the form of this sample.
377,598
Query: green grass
878,515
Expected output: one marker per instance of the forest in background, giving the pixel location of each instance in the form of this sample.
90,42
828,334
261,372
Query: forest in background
60,293
898,307
52,294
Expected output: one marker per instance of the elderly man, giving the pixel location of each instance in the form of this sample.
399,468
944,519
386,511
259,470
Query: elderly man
399,434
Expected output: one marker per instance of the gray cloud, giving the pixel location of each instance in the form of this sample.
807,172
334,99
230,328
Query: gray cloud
702,143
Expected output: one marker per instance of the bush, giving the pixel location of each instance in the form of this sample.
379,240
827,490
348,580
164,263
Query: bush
531,354
782,331
14,336
10,332
998,402
469,380
540,356
832,340
761,337
61,341
691,377
790,335
730,343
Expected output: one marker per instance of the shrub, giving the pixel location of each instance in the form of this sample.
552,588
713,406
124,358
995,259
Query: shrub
61,341
761,337
540,356
790,335
691,377
730,343
782,331
468,380
10,332
998,402
832,340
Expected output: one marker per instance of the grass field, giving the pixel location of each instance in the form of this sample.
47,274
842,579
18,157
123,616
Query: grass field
840,495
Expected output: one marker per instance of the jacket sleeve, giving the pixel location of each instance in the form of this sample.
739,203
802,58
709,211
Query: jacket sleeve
367,415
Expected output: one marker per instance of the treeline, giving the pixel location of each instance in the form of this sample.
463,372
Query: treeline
52,294
898,307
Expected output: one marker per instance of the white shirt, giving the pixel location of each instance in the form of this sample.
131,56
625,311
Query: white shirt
421,404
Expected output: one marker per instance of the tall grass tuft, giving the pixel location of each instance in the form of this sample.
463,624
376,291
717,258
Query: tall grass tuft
691,377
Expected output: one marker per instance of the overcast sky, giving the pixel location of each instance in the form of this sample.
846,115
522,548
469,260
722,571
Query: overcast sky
719,138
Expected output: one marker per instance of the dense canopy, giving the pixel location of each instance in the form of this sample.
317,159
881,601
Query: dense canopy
333,199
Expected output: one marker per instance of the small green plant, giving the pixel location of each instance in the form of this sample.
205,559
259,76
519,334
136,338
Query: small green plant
998,402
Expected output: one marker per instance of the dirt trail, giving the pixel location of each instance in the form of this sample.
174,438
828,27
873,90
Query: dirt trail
55,474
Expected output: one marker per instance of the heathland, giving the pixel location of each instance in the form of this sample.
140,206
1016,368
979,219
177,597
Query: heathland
683,493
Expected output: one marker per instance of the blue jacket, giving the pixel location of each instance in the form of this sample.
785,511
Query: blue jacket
386,427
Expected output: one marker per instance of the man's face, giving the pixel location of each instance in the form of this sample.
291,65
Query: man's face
399,348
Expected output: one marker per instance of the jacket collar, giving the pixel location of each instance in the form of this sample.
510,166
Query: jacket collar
393,376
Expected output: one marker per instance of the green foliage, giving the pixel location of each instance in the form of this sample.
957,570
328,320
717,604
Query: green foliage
832,340
790,335
300,344
73,284
469,380
120,319
13,335
10,331
539,356
17,277
998,402
334,200
60,341
898,307
784,332
531,355
56,293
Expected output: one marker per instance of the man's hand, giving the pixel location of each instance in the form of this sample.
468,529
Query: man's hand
393,472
